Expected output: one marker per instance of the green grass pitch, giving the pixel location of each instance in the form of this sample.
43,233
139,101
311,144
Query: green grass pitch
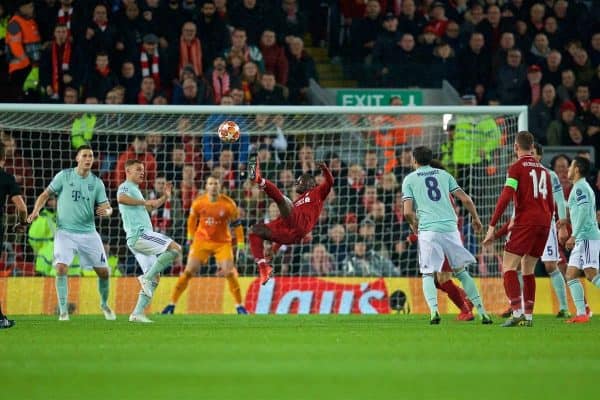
296,357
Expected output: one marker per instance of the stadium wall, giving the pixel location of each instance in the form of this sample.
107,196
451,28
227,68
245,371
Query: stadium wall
282,295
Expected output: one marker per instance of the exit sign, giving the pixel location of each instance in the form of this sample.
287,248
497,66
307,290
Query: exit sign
377,97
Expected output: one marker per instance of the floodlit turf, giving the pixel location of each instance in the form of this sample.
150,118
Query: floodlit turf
296,357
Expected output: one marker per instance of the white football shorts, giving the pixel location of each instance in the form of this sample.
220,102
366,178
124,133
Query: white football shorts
434,246
87,245
551,251
148,246
585,254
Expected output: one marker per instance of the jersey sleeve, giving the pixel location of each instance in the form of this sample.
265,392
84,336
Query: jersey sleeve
513,176
234,212
56,185
580,209
559,196
407,193
123,189
13,187
452,184
101,196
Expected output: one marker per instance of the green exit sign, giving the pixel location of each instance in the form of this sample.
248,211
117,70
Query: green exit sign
377,97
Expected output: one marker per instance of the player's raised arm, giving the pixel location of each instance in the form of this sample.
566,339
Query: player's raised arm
466,200
328,182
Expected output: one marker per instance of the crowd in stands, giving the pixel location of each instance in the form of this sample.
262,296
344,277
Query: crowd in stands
188,52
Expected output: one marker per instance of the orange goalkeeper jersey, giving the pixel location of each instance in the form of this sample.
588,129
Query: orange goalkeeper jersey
209,220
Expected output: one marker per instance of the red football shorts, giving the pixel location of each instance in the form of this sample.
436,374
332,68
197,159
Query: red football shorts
285,230
527,240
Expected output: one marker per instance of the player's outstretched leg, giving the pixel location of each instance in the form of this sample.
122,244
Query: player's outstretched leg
256,238
163,261
103,290
470,288
284,204
62,291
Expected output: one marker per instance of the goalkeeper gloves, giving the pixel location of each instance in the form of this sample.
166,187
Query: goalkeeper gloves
32,80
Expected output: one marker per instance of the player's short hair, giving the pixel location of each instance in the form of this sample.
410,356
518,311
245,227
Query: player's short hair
538,148
525,140
309,178
131,162
422,155
83,147
583,165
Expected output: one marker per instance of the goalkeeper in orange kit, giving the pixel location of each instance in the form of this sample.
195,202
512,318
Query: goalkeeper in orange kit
208,229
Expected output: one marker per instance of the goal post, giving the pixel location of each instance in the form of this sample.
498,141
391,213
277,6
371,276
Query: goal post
359,257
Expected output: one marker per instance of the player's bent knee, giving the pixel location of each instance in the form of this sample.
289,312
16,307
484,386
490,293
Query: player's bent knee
61,269
443,277
102,272
176,247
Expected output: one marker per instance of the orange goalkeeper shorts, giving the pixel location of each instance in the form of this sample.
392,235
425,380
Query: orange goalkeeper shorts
202,250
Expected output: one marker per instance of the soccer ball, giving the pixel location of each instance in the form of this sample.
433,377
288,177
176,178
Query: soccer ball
229,132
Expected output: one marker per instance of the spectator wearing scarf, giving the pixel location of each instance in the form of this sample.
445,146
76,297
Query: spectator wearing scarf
190,50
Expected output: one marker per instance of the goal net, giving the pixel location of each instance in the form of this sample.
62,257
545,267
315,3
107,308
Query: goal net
360,256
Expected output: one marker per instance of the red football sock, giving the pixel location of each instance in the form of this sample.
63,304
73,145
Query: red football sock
454,294
529,292
273,192
512,289
256,246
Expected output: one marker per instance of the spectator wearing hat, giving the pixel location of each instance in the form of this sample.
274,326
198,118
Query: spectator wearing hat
534,78
558,130
512,80
543,113
426,44
385,46
153,62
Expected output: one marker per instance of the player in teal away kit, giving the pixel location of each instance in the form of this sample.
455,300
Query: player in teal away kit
80,196
152,250
585,239
428,190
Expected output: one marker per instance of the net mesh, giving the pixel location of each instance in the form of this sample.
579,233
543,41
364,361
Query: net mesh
361,231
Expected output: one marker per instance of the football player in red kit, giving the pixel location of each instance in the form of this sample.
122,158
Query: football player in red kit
529,184
296,219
